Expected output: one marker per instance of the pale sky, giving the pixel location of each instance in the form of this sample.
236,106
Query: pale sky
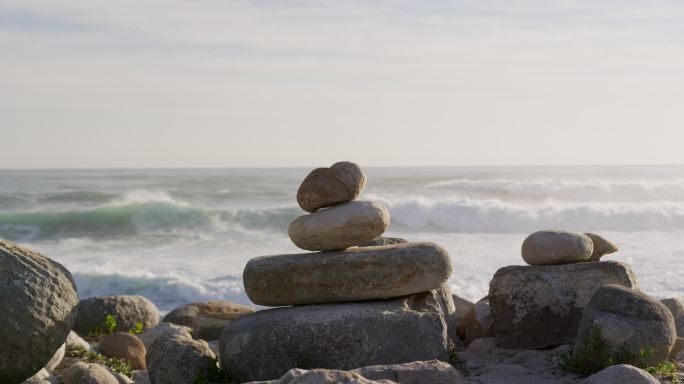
209,83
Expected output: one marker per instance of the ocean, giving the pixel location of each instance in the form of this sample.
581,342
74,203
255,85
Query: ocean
184,235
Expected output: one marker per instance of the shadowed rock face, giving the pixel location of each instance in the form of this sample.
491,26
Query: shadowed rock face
38,298
267,344
339,227
323,187
601,247
630,321
541,306
352,275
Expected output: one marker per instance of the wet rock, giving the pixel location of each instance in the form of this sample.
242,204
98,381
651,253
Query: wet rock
339,227
323,187
207,319
541,306
351,275
127,310
268,343
552,247
39,301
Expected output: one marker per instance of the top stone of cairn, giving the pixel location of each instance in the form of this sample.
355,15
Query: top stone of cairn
323,187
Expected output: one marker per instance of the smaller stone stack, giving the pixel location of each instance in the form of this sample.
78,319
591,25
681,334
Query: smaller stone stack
541,305
349,305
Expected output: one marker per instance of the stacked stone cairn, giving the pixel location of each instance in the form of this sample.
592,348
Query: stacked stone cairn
345,305
566,292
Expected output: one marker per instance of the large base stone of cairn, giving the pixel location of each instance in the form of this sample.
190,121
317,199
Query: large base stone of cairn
267,344
352,275
541,306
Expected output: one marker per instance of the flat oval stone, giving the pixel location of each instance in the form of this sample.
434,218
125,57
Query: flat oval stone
323,187
352,275
551,247
339,227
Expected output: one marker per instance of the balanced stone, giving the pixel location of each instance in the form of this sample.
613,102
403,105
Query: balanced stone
630,321
268,343
339,227
601,247
38,298
351,275
323,187
556,247
541,306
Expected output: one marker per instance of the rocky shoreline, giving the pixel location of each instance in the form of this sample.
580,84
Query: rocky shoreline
357,308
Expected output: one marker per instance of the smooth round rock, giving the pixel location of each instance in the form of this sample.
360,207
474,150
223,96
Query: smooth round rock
323,187
552,247
207,319
38,299
354,274
127,310
340,227
125,346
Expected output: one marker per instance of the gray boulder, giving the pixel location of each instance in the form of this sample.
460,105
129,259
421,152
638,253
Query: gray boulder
621,374
541,306
39,299
207,319
351,275
84,373
383,241
552,247
676,307
323,187
339,227
267,344
127,310
176,358
417,372
630,321
149,336
601,247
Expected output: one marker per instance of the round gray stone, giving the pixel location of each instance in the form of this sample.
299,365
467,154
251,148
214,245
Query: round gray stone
38,298
340,227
